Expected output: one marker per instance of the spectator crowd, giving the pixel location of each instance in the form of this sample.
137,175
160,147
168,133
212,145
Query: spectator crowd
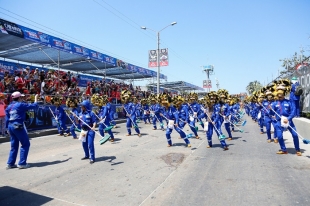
54,82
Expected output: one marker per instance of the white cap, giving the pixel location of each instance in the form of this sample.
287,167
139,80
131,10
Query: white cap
16,95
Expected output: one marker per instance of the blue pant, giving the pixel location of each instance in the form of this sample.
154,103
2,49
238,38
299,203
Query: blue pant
146,117
18,135
280,130
192,126
261,124
88,145
132,122
297,107
61,126
179,129
209,134
155,118
102,127
72,130
227,127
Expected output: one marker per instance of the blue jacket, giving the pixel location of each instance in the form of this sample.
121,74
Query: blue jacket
88,117
172,114
130,108
293,89
283,108
16,112
60,114
183,113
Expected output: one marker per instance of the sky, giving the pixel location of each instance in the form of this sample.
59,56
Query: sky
243,39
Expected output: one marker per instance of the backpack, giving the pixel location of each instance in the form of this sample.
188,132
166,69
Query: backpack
298,91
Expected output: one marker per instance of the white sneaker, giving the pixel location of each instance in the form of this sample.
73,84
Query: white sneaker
10,167
23,166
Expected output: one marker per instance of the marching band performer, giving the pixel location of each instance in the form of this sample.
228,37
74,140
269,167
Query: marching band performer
146,111
15,117
193,111
225,113
284,112
73,103
267,118
60,116
155,111
88,130
104,116
182,118
130,112
212,116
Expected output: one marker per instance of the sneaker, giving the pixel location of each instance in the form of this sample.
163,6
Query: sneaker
85,158
197,137
275,140
189,145
225,148
262,132
298,153
10,166
128,134
23,166
112,140
230,138
269,140
282,152
169,145
154,129
60,135
139,135
91,161
67,134
209,146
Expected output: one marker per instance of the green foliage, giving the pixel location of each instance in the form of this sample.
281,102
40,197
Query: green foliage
254,86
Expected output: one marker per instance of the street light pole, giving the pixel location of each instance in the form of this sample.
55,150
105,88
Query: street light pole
158,42
158,63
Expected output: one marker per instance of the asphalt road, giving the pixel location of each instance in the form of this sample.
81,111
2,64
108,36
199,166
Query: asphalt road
143,171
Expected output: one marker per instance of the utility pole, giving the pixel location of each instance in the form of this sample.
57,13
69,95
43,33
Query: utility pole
217,84
209,71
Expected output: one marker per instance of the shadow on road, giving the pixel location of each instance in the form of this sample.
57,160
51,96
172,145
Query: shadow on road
179,144
14,196
43,164
293,151
108,159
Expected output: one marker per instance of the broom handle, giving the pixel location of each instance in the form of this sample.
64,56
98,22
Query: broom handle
85,124
210,120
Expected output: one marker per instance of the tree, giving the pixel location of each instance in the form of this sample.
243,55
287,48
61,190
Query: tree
254,86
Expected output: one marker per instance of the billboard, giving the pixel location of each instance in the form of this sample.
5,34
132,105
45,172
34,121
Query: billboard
163,58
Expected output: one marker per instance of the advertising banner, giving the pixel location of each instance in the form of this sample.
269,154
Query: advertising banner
11,28
163,57
152,58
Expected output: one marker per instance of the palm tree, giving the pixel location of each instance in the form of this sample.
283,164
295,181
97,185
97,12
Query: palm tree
254,86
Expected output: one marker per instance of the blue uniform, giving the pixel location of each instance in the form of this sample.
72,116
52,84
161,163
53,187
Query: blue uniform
172,115
156,110
104,115
146,113
285,108
61,119
130,109
76,123
181,121
89,118
295,99
111,114
225,111
217,124
193,110
15,117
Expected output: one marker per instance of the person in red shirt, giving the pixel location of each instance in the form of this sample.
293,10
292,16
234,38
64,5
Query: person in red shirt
87,92
20,83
